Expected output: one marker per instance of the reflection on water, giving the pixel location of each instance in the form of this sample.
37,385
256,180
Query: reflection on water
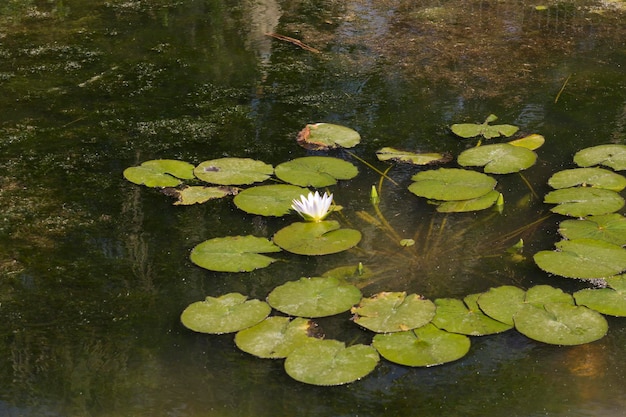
95,272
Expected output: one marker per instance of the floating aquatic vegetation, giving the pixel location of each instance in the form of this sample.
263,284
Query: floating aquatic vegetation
324,136
486,130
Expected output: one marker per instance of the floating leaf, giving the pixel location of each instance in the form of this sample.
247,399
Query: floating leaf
584,201
316,238
594,177
500,158
609,227
531,142
198,195
233,171
473,204
465,317
351,273
160,173
233,253
425,346
612,156
451,184
470,130
323,136
501,303
610,301
269,200
583,258
329,362
560,324
315,171
274,337
226,314
393,312
542,294
391,154
314,297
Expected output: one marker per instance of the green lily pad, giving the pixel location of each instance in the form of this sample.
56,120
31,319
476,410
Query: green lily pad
584,201
233,171
393,312
500,158
392,154
609,227
470,130
198,195
501,303
274,337
350,273
594,177
315,171
226,314
451,184
473,204
610,301
583,258
233,253
612,156
269,200
330,362
323,136
542,294
560,324
316,238
465,317
425,346
531,142
314,297
160,173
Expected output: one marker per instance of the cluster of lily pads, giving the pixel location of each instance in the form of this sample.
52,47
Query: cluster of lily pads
408,329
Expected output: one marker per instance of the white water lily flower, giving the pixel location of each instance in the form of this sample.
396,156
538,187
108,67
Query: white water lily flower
313,208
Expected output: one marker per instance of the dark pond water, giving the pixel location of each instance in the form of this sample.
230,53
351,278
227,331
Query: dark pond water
95,271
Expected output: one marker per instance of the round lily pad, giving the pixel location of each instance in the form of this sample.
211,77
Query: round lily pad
583,258
560,324
539,295
226,314
473,204
465,317
269,200
233,171
612,156
274,337
316,238
322,136
609,227
315,171
500,158
233,253
451,184
610,301
160,173
584,201
330,362
594,177
501,303
198,195
425,346
393,312
314,297
392,154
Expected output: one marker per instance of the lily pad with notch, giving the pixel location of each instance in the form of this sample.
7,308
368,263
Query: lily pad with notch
424,346
234,253
315,171
610,301
501,303
451,184
274,337
539,295
584,201
314,297
269,200
472,204
414,158
198,194
323,136
393,312
160,173
590,177
329,362
583,258
499,158
233,171
316,238
610,155
608,227
470,130
226,314
466,317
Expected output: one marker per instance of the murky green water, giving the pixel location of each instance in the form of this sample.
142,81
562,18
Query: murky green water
95,270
